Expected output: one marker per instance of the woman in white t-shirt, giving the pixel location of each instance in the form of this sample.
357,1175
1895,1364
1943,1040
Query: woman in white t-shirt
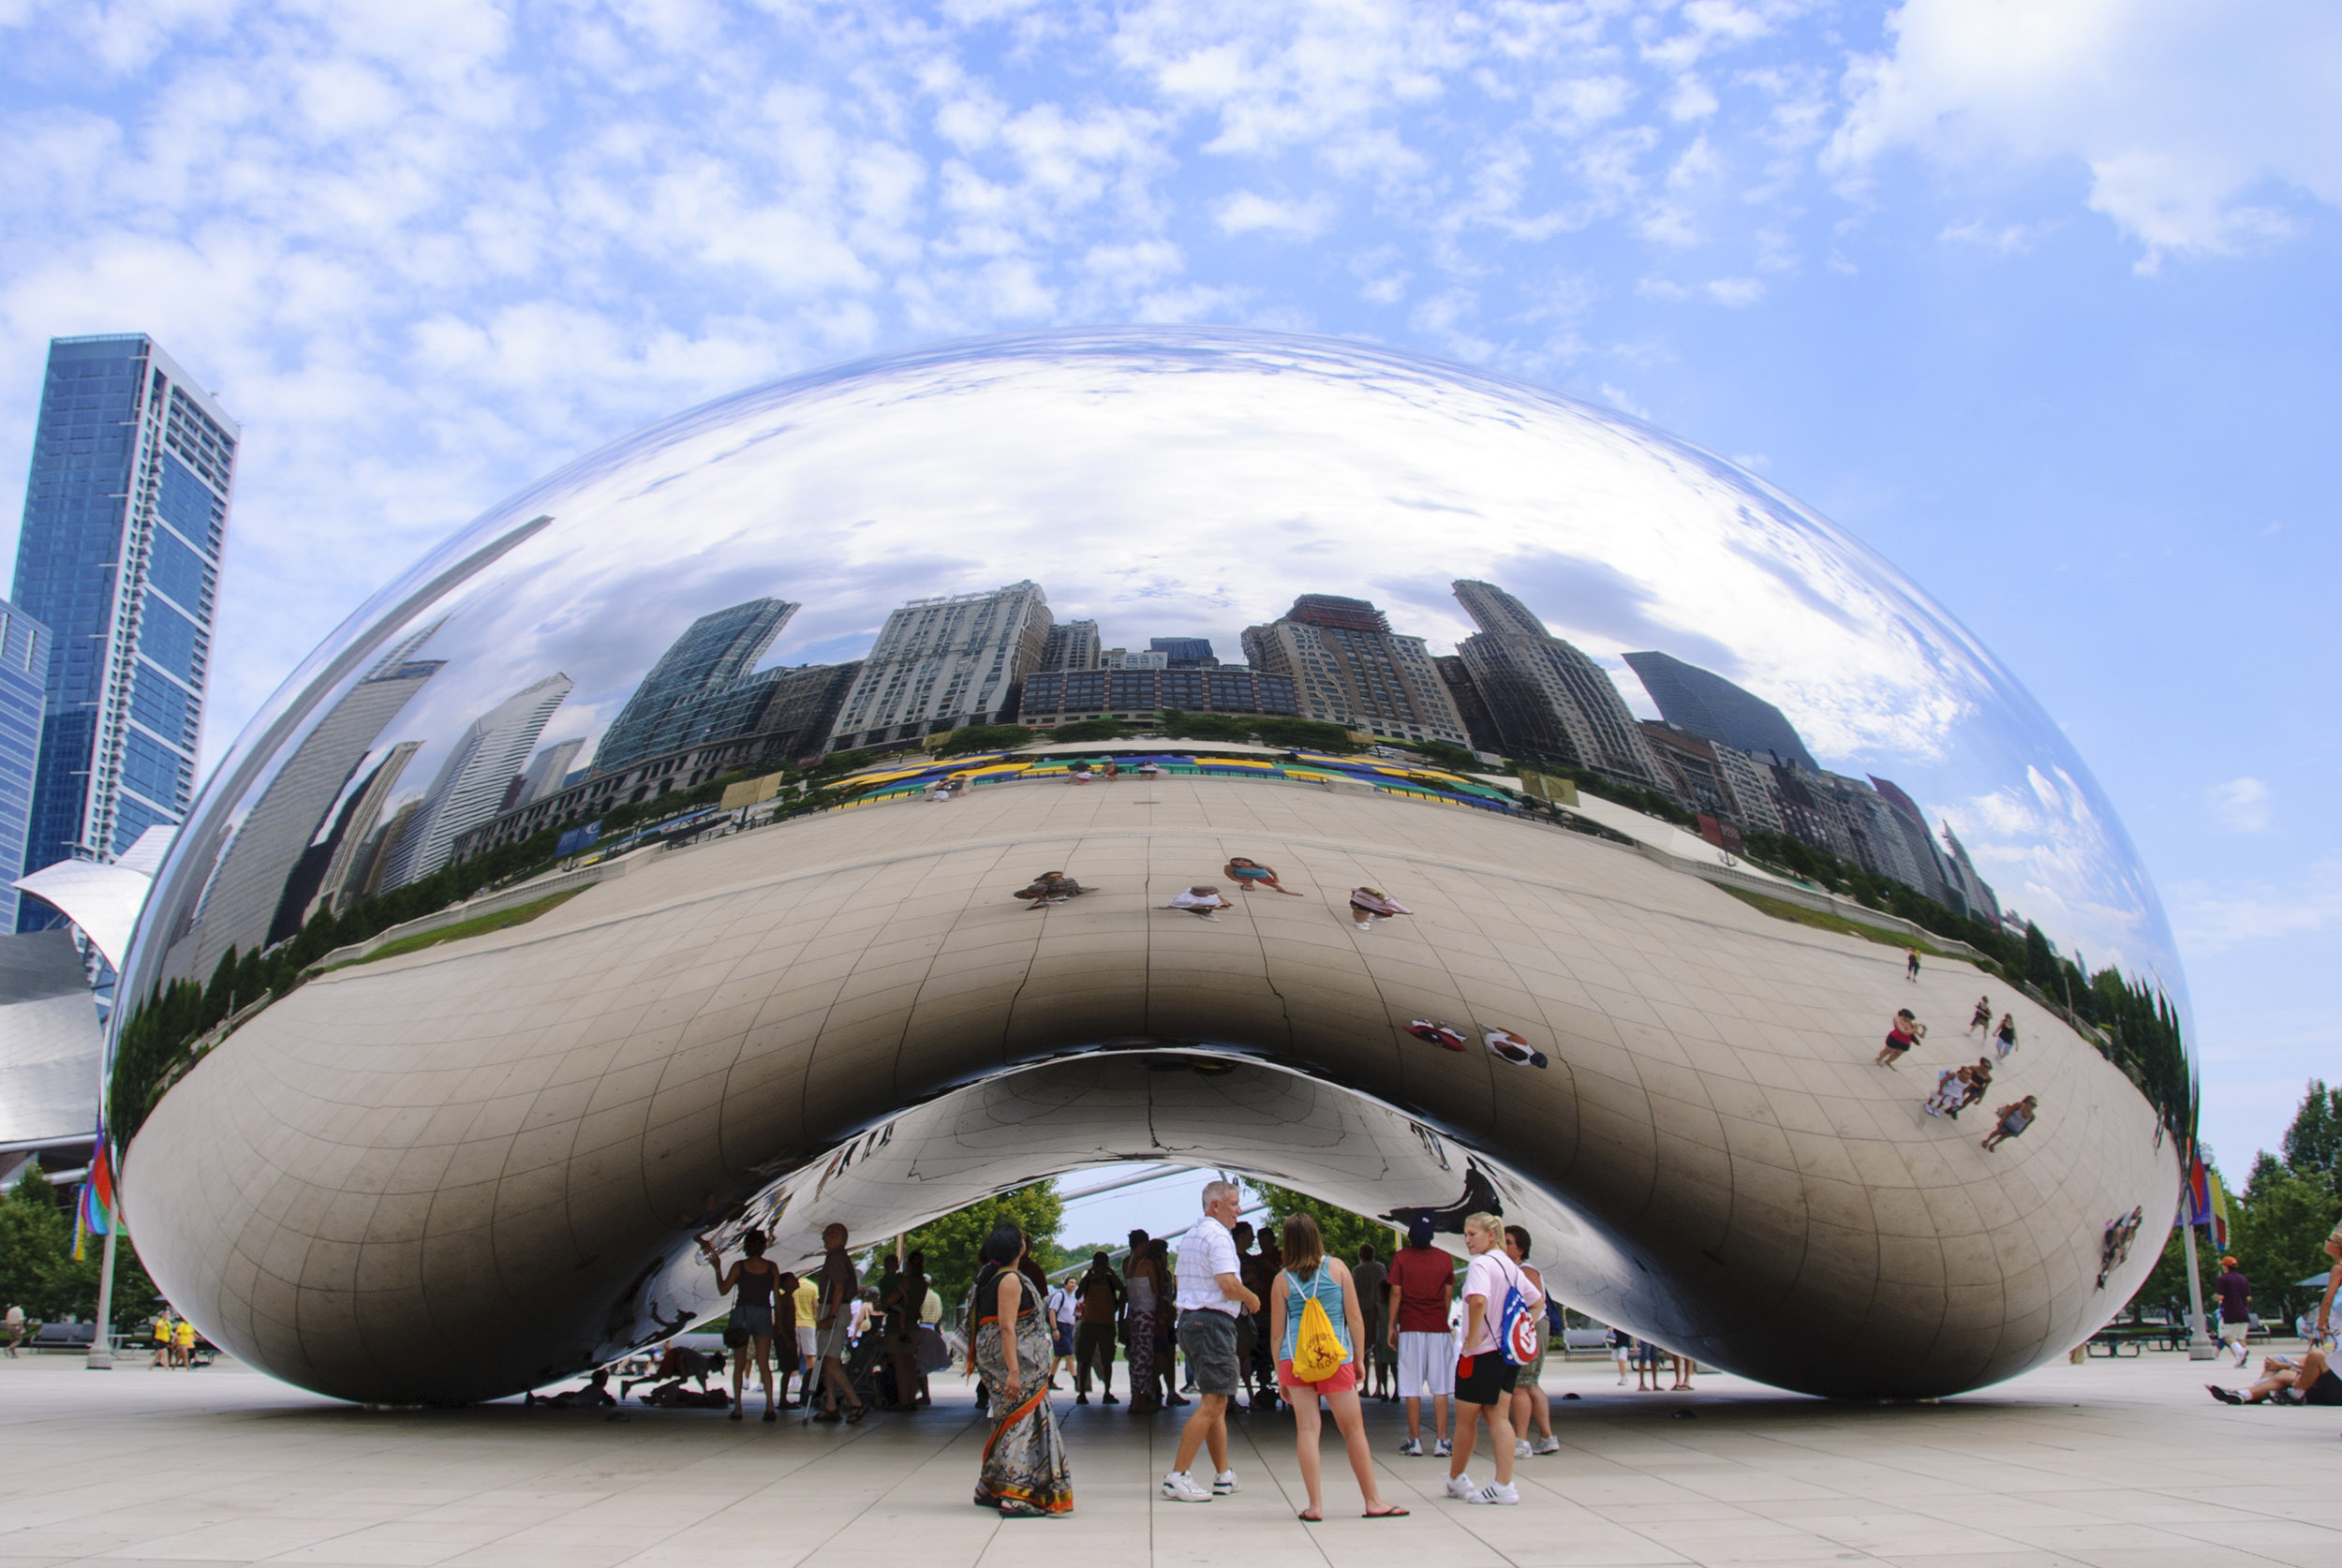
1484,1378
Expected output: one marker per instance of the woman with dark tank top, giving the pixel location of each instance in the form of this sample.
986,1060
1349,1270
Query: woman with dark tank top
754,1278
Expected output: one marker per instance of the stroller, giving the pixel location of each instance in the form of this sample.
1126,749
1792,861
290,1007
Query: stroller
869,1373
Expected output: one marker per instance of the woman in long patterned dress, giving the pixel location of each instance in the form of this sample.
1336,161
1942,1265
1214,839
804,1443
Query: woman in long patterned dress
1024,1473
1141,1288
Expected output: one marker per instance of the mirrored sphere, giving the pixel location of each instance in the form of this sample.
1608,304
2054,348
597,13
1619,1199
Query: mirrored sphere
890,786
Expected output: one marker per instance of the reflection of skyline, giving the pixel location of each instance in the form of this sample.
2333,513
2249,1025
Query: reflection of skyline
471,782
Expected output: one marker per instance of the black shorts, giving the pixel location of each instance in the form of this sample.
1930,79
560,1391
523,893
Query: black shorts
1484,1378
2327,1390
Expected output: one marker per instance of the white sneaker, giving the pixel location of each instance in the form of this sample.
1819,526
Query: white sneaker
1411,1448
1521,1448
1459,1486
1622,1382
1224,1483
1442,1448
1502,1496
1179,1486
1547,1445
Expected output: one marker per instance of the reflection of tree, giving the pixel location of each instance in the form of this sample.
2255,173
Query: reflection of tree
1342,1231
2135,1025
951,1243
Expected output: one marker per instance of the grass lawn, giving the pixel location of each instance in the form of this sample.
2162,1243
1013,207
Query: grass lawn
1781,909
519,915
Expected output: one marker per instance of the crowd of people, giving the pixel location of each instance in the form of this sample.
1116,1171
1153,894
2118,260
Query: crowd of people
2308,1378
1367,907
1958,1088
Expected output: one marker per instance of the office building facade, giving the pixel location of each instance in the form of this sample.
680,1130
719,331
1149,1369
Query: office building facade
942,663
23,684
125,518
1071,645
471,781
1707,704
1184,653
701,667
1549,702
1055,697
1349,668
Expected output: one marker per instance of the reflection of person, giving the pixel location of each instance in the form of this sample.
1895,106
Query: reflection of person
1911,963
1981,1022
1202,900
2005,1038
1505,1045
593,1394
1370,904
1024,1472
675,1364
2013,1119
1149,770
1250,875
1309,1276
1110,770
757,1280
1050,887
1902,1032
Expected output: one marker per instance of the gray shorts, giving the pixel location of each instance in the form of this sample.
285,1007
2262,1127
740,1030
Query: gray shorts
833,1338
1209,1337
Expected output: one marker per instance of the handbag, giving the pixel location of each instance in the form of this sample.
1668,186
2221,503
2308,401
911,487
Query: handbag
1317,1352
735,1332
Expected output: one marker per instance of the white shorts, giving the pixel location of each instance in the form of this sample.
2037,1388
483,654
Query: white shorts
1427,1364
808,1340
2235,1333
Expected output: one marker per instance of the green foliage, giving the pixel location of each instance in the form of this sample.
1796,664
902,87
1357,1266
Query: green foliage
1609,789
952,1242
1090,730
37,1271
519,915
1342,1230
838,762
2313,1145
986,737
1203,726
2278,1230
1455,759
1306,734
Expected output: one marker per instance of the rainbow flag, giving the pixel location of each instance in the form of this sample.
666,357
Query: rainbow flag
2201,1201
94,1214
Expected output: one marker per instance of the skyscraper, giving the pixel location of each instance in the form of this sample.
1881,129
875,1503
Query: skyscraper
271,870
470,783
1349,668
1185,653
548,768
125,517
24,674
1707,704
1549,701
1071,645
715,652
942,663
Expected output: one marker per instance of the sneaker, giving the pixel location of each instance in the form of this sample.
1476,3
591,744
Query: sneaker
1547,1445
1411,1448
1521,1448
2225,1396
1461,1486
1179,1486
1226,1483
1442,1448
1081,1398
1502,1497
1110,1399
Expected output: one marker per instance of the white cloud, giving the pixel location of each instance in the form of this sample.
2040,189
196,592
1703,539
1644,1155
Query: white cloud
2192,117
2241,805
1247,212
2211,918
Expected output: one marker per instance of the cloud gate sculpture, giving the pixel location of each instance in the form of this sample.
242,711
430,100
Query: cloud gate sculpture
665,855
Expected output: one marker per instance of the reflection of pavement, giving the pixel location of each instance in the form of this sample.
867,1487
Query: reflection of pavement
2126,1466
518,1125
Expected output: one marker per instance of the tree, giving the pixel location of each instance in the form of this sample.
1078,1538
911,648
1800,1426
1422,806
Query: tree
1090,730
1342,1230
1305,734
2313,1145
38,1271
951,1243
2279,1226
1455,759
983,737
1203,726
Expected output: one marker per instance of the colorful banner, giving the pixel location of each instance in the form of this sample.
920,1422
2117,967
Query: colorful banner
2201,1201
94,1214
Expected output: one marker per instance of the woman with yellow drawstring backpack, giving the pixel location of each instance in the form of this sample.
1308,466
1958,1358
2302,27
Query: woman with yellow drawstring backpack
1313,1319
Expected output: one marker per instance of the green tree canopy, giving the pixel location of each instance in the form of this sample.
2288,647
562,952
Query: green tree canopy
1342,1231
983,737
38,1271
951,1243
1203,726
1306,734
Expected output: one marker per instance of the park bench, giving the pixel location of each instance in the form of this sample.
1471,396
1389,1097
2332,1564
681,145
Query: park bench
1574,1340
64,1336
2132,1339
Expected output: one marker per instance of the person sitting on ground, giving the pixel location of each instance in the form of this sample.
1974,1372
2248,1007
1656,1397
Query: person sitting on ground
1079,773
1249,875
593,1394
1050,887
1202,900
1904,1031
2307,1382
1951,1092
1370,904
1980,1079
675,1364
2012,1119
1149,770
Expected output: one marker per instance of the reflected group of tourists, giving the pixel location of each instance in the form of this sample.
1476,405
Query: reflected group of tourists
1958,1088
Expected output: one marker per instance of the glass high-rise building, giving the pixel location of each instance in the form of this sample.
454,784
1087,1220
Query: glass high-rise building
125,517
1707,704
711,658
23,677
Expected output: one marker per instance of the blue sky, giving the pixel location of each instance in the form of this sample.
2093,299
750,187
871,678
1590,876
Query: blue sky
2035,299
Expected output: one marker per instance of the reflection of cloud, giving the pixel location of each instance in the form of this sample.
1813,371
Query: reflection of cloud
2048,854
2241,805
1592,601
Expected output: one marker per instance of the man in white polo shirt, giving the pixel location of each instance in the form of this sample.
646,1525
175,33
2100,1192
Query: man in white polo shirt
1211,1293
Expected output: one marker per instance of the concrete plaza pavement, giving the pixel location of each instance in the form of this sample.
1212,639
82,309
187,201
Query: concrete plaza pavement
2112,1465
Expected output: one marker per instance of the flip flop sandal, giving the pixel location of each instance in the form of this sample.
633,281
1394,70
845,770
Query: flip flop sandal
1387,1513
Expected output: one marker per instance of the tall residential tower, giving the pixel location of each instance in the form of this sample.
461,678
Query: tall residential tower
125,517
24,675
941,663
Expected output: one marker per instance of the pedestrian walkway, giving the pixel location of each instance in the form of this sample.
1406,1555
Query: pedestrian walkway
2109,1465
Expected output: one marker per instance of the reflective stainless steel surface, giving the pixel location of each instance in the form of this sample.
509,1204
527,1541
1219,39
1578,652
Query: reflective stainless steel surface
454,1170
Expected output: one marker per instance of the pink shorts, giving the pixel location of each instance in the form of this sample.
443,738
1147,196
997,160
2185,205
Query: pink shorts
1342,1381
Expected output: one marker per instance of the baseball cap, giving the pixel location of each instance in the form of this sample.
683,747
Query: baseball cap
1420,1231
